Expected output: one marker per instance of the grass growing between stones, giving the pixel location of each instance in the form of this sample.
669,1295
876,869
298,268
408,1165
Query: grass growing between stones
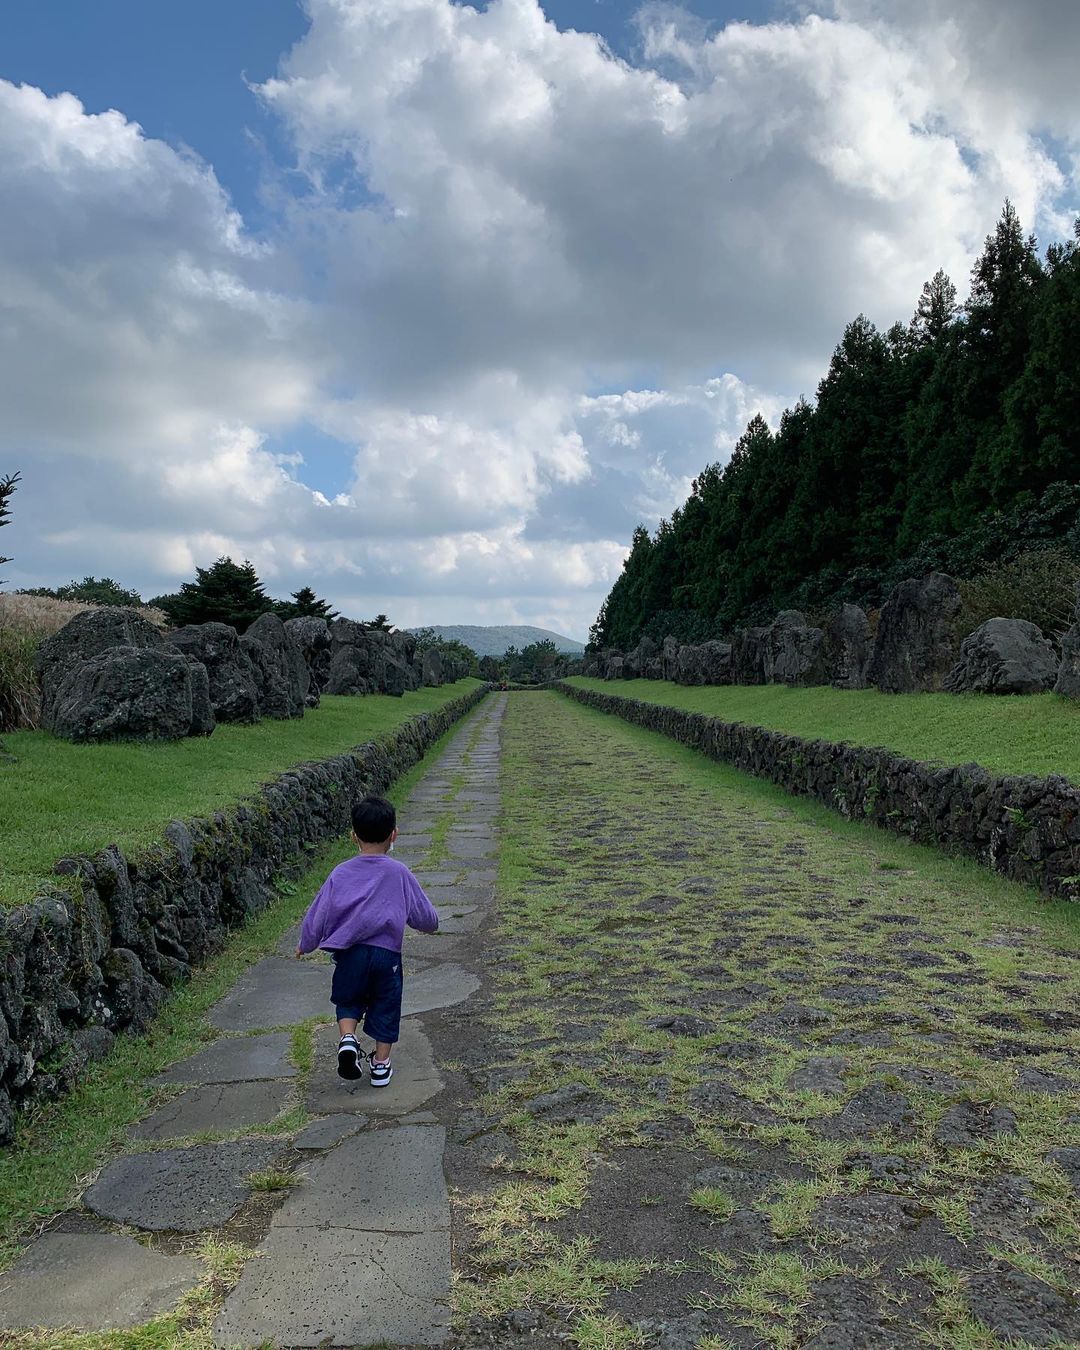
59,1146
1036,734
189,1325
760,1068
60,799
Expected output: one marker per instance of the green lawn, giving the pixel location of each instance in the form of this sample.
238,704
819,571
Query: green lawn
1037,734
59,799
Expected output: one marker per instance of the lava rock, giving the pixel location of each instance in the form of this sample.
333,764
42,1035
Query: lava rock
312,635
84,637
281,674
794,652
749,656
670,658
970,1124
706,663
917,642
233,693
131,693
1004,656
847,647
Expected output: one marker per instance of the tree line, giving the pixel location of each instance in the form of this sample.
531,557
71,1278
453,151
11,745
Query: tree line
950,442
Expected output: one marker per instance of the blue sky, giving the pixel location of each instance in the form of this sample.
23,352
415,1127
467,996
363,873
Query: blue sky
182,69
498,296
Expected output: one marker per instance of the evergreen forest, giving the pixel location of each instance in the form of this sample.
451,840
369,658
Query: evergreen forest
951,442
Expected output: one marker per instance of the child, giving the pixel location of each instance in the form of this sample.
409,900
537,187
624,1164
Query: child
359,917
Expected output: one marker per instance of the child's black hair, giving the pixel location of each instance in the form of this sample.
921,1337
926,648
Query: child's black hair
373,820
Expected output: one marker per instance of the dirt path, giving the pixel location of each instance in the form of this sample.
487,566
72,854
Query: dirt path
749,1079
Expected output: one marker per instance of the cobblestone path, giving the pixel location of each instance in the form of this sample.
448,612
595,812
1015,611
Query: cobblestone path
755,1077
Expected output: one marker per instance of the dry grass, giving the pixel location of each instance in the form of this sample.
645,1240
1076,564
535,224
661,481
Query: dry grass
24,621
40,616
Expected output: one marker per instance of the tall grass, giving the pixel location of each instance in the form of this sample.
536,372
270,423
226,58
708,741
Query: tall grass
25,620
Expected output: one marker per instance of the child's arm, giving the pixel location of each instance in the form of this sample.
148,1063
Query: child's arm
421,913
311,930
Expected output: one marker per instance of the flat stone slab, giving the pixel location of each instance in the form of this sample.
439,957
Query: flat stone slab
460,919
234,1059
430,947
92,1282
415,1080
433,880
341,1288
216,1106
180,1189
359,1254
386,1181
331,1130
275,992
438,986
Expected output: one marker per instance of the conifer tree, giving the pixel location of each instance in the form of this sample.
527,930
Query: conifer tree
7,486
227,592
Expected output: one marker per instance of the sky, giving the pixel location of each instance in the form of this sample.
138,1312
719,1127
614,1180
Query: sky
427,305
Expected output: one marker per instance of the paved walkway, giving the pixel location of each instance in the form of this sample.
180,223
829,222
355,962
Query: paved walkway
359,1252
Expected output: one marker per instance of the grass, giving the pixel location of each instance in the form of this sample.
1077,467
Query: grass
672,883
60,799
59,1146
1037,734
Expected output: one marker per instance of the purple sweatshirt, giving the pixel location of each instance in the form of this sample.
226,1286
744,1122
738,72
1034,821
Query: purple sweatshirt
369,898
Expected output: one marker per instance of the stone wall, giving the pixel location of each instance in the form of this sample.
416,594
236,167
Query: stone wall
1026,828
78,966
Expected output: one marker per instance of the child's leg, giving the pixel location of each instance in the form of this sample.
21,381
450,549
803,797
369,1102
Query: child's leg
383,1018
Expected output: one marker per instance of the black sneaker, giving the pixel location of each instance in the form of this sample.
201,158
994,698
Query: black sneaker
348,1058
380,1073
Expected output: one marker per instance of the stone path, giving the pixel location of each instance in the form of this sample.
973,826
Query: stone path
723,1075
754,1078
358,1250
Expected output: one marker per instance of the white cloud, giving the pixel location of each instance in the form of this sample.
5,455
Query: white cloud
499,220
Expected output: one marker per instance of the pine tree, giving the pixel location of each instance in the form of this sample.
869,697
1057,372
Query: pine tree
306,604
936,311
227,592
7,486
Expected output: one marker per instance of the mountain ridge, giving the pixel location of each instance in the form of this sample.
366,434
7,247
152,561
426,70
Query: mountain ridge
493,639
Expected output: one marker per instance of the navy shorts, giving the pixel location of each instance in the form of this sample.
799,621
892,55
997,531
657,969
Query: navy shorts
367,986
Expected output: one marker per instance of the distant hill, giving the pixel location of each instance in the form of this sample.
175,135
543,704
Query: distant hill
493,640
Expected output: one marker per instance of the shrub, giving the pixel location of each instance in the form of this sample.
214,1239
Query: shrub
1039,585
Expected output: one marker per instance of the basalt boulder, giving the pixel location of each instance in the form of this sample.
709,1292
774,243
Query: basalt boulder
917,642
847,647
1068,678
704,663
281,674
670,657
312,635
231,675
794,653
1004,656
431,667
83,638
637,660
133,693
749,655
370,660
